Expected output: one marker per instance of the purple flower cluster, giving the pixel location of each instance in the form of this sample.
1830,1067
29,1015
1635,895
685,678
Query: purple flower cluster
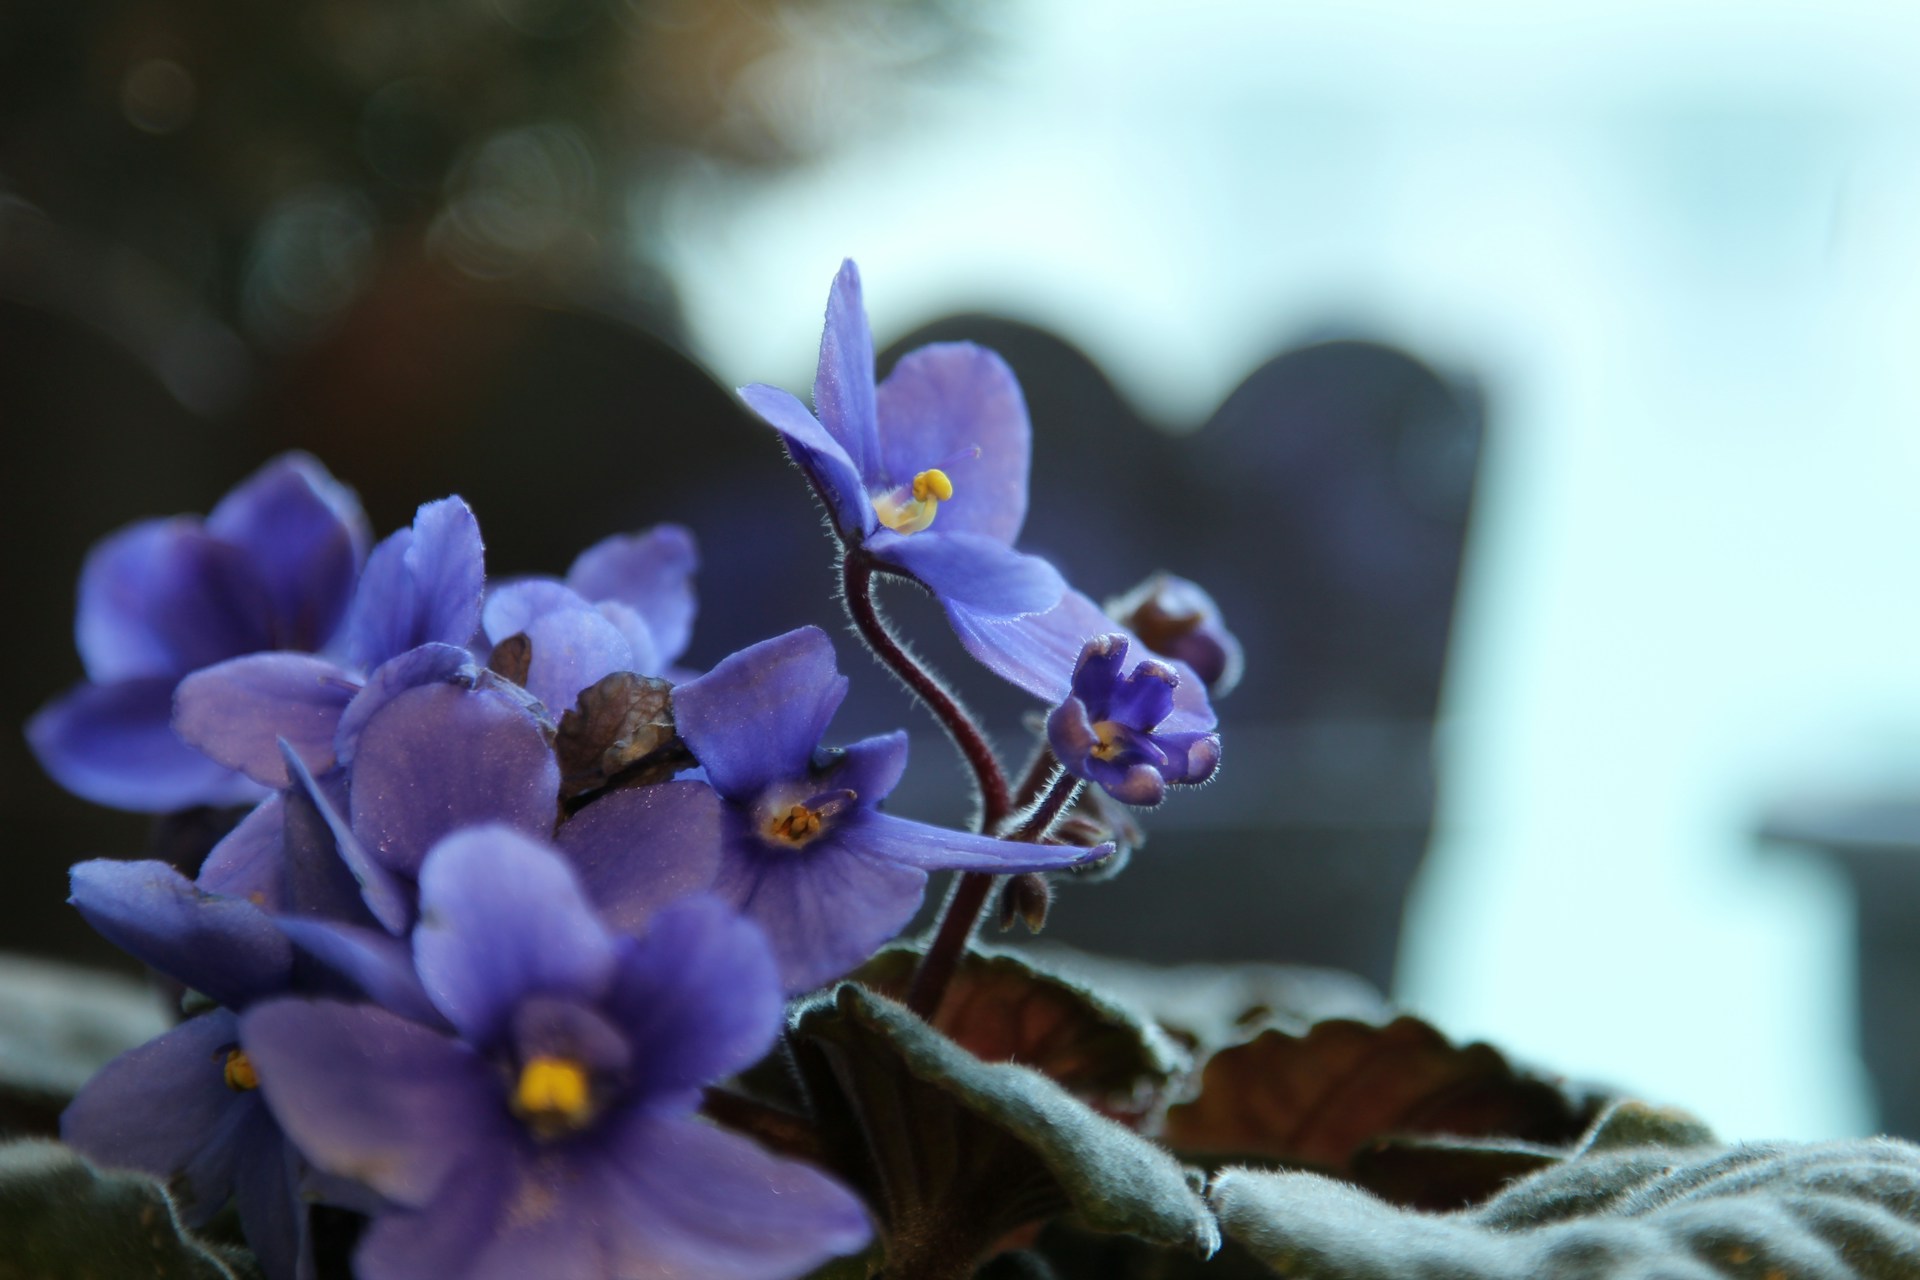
481,1013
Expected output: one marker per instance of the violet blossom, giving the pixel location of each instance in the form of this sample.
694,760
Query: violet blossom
1109,728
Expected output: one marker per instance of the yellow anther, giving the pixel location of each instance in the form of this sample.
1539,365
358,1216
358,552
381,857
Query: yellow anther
238,1072
1110,741
553,1093
797,825
911,508
932,484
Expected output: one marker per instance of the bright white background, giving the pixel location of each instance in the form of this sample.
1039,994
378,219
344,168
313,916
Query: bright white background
1680,246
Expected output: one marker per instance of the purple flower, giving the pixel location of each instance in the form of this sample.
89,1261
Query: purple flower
417,606
273,567
1176,618
926,472
1039,653
186,1107
790,834
554,1132
627,605
1108,728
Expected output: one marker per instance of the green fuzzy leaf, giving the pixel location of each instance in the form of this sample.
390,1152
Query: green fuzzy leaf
62,1219
953,1153
1002,1007
58,1025
1648,1195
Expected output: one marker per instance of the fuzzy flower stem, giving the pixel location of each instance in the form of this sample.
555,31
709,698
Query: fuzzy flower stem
960,916
856,576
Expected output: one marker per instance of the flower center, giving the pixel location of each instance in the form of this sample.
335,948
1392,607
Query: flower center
797,825
238,1072
553,1094
1112,740
911,508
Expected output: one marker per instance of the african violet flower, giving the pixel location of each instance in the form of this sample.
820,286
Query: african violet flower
627,605
1108,730
791,834
273,567
184,1106
417,604
1176,618
553,1133
926,472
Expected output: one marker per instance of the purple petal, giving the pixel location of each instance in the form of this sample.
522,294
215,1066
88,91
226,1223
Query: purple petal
237,711
915,844
370,1096
1038,653
824,908
1145,698
427,664
1193,757
759,714
682,1198
1071,736
382,893
871,768
307,536
511,607
503,917
699,991
165,597
165,1108
958,407
572,650
364,962
114,744
446,1236
247,861
646,658
1136,784
225,948
439,757
1096,675
834,474
843,392
421,585
639,849
652,574
267,1197
973,570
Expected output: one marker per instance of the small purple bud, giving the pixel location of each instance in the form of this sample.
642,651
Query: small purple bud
1105,730
1177,619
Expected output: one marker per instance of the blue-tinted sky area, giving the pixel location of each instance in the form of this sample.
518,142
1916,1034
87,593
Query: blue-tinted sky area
1678,245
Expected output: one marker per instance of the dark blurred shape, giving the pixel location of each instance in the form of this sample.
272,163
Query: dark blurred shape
1877,844
1325,508
267,158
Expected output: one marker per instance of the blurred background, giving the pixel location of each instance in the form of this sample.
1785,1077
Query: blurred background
1533,389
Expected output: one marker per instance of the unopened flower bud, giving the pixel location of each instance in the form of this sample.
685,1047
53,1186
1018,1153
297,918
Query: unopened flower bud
1025,898
1177,619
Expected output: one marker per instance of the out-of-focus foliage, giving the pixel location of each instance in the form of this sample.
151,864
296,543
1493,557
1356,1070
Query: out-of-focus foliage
268,159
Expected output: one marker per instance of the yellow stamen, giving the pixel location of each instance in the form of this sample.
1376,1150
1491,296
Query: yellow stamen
1110,743
553,1093
797,825
238,1072
911,508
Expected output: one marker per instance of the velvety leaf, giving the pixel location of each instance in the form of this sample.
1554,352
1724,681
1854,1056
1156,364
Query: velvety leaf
616,723
1001,1007
952,1153
1643,1198
1210,1006
1317,1096
59,1025
62,1219
1442,1173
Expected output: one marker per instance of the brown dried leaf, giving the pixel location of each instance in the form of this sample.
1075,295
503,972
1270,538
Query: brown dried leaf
1001,1008
512,658
616,724
1318,1098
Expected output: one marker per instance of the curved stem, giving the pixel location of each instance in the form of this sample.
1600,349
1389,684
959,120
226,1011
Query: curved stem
856,579
961,914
